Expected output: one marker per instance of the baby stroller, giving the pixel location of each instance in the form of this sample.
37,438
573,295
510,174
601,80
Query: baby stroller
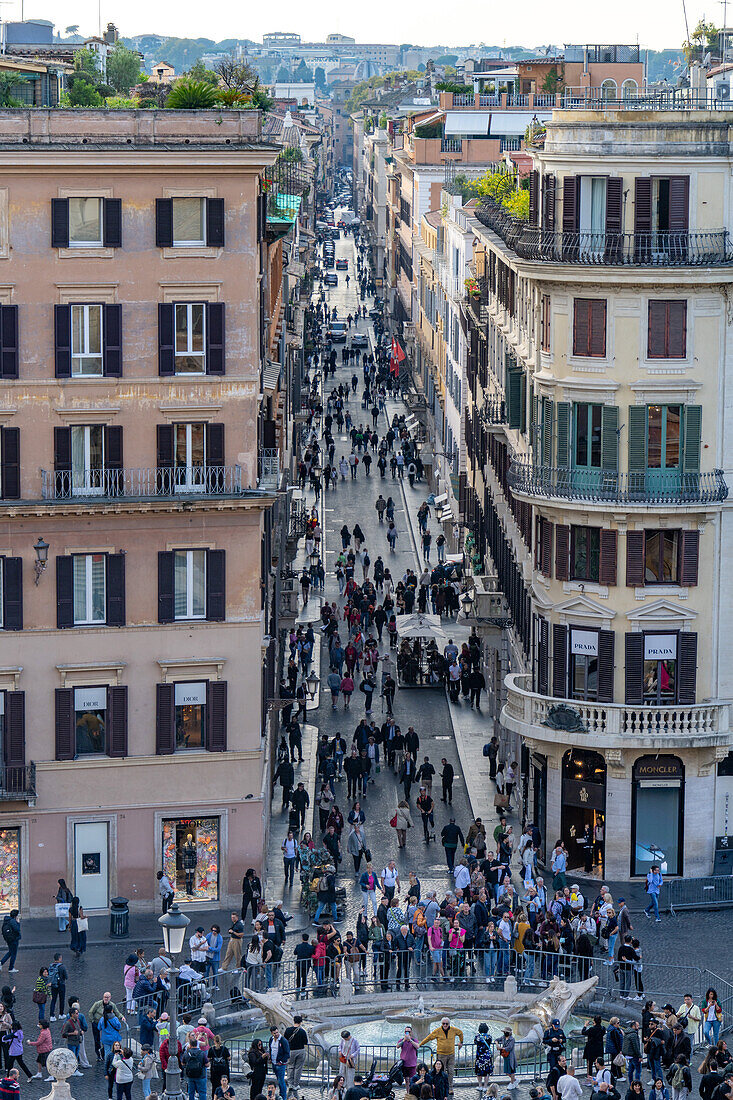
381,1086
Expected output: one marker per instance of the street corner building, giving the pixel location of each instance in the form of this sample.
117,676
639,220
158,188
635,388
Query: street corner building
135,661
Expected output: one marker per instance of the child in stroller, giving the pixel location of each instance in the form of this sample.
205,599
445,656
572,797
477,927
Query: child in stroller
381,1086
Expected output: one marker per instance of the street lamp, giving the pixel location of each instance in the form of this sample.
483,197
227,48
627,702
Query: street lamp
311,683
41,549
314,558
174,924
467,601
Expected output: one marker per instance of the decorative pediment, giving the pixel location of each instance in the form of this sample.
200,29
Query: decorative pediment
664,612
581,607
541,599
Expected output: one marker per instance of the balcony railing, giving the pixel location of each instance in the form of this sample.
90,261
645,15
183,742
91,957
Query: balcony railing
17,782
269,467
142,484
606,720
704,249
493,411
463,100
608,486
451,145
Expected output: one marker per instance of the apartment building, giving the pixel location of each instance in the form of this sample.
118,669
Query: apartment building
598,439
133,533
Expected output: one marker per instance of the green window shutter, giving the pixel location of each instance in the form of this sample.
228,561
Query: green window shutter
563,433
609,438
522,402
637,439
515,379
547,417
693,434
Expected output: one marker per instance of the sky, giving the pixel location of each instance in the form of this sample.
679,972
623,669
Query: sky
656,24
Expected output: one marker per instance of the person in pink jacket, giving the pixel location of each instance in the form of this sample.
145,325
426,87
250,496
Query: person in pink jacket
43,1045
435,944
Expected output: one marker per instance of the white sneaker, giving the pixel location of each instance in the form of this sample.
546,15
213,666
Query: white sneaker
52,1018
62,1015
14,970
50,1079
36,1076
77,1073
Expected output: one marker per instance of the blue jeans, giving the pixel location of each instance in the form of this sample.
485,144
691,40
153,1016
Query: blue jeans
653,905
711,1032
58,994
41,1013
212,966
326,905
75,1052
655,1067
612,944
280,1074
197,1087
146,1083
63,924
634,1067
10,955
490,962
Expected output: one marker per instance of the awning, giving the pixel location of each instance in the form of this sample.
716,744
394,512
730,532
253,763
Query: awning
270,376
470,123
421,626
296,268
514,123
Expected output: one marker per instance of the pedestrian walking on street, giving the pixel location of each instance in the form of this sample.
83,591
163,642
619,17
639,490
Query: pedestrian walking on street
654,883
402,822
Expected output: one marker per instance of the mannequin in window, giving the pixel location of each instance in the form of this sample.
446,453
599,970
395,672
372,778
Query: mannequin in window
189,860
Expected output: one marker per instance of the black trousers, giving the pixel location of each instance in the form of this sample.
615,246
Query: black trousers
448,791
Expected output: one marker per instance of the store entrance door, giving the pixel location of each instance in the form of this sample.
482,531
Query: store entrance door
584,809
91,863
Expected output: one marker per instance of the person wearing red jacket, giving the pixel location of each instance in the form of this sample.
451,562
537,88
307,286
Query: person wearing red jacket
165,1056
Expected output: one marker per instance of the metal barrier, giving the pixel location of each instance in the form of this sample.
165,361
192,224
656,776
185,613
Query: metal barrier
715,892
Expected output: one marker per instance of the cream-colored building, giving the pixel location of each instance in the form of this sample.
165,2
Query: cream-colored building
599,451
133,664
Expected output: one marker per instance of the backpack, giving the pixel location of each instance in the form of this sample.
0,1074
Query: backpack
677,1078
195,1063
53,975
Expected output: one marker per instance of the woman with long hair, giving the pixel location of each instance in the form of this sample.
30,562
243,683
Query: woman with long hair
257,1058
78,934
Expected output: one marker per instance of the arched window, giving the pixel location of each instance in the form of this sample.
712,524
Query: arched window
609,89
629,88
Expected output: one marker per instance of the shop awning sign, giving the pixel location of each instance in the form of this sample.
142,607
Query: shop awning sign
660,647
584,642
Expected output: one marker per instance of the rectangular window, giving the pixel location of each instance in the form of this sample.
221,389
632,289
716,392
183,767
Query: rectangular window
89,589
664,424
189,584
90,709
190,336
189,455
86,340
189,224
85,223
190,857
660,669
87,458
667,331
589,327
588,435
190,704
586,554
545,323
661,557
584,664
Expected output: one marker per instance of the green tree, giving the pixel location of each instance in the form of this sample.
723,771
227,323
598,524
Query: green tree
446,59
9,83
303,74
283,76
199,72
123,69
187,94
320,76
236,74
552,82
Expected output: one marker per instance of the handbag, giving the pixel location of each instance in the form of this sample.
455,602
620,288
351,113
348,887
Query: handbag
62,908
82,924
39,998
368,855
393,821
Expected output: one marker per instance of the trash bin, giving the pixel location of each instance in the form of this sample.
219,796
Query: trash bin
119,918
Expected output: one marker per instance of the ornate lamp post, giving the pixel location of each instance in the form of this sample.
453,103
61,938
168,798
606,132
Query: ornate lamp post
174,924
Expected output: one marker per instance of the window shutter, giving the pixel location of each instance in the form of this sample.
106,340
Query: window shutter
117,721
215,222
677,329
514,384
216,586
693,435
12,593
656,336
216,740
546,548
166,336
686,669
8,341
10,463
164,446
606,650
15,739
689,557
65,723
215,338
563,433
634,559
562,552
643,205
112,230
559,661
634,670
113,459
608,555
609,438
165,719
534,197
112,341
570,204
59,223
115,588
214,445
62,450
637,438
547,417
613,205
62,340
164,223
165,586
581,326
549,221
597,328
64,591
543,657
679,204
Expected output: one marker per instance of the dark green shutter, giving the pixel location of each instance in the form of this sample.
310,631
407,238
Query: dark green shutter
563,433
637,438
547,416
609,438
514,397
693,433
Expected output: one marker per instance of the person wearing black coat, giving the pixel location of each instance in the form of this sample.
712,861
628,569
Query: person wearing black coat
286,774
251,892
450,837
447,775
438,1078
681,1043
594,1036
257,1058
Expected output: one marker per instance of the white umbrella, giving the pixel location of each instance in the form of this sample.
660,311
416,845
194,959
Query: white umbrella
421,626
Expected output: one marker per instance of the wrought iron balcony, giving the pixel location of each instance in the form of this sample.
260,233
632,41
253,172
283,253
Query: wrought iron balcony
17,782
493,411
704,249
143,483
269,468
662,487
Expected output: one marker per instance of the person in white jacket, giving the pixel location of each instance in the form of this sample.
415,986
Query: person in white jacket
568,1086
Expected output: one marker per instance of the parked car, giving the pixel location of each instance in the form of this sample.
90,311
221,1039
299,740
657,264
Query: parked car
337,330
331,279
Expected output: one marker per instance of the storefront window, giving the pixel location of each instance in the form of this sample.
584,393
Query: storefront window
90,705
9,869
584,664
190,716
657,814
191,857
660,669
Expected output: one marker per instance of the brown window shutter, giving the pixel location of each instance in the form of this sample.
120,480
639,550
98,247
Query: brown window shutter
597,328
607,566
614,190
667,338
559,661
686,669
549,203
562,552
543,656
634,559
570,210
165,719
679,204
689,557
117,721
534,196
643,204
606,650
634,669
216,740
545,322
677,329
656,334
65,724
581,326
546,549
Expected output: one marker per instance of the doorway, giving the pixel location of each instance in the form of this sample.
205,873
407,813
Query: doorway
584,810
91,863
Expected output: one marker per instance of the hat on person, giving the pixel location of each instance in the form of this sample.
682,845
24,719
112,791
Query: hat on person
507,1031
621,901
202,1019
200,928
555,1022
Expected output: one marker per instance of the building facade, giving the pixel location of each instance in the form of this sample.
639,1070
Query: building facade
133,531
598,445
